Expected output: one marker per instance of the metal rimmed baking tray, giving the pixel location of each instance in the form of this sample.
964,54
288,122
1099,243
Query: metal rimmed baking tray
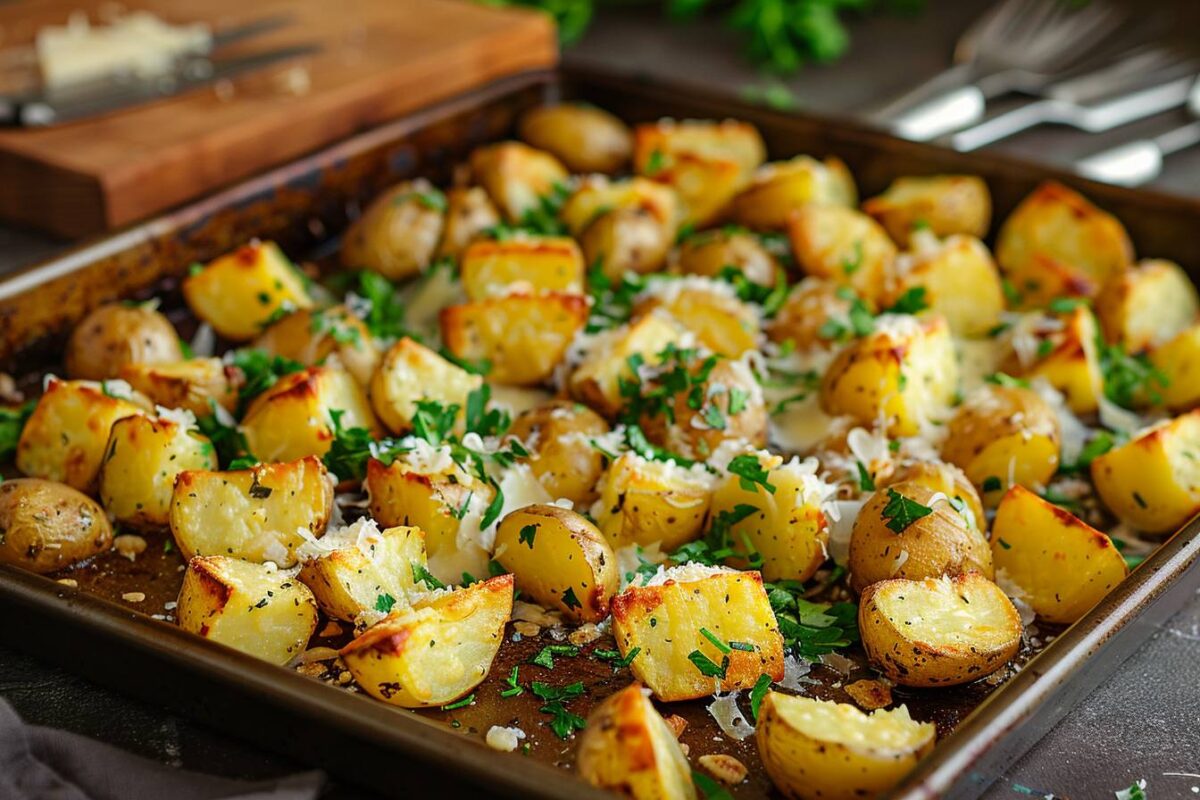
303,206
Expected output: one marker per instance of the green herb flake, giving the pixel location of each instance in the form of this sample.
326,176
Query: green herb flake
466,701
751,473
384,602
570,600
992,484
708,787
527,535
545,657
901,512
707,666
421,574
866,482
761,687
513,688
717,643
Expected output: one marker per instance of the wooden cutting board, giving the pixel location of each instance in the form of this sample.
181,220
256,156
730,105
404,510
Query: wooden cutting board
379,60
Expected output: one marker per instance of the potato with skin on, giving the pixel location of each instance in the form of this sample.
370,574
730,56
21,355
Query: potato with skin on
560,559
1179,362
627,240
196,385
822,750
310,337
1041,281
943,204
469,214
1147,306
781,187
596,381
844,246
644,501
711,310
583,137
295,417
710,253
1152,482
435,651
410,371
959,279
516,176
251,514
398,232
627,747
596,195
522,335
540,263
65,437
1004,434
238,293
249,607
938,631
143,458
1061,565
48,526
940,477
1060,225
558,437
117,334
809,306
1071,363
907,530
665,622
362,566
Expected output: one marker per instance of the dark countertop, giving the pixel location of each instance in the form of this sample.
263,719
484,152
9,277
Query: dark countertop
1143,724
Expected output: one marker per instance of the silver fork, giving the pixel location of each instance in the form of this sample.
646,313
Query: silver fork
1018,45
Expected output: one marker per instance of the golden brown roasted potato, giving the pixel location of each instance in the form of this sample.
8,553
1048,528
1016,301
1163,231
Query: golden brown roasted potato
409,372
238,293
845,246
668,621
583,137
65,437
626,240
781,187
361,568
1146,306
398,232
469,214
1152,481
47,526
118,334
195,385
558,436
249,607
596,381
1060,565
596,195
944,204
821,750
436,650
960,282
809,307
643,502
628,748
940,477
710,309
560,559
310,337
516,176
710,253
523,336
1068,359
540,263
938,631
1179,362
910,531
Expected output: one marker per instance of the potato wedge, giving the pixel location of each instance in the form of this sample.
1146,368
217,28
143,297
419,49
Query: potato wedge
960,282
66,435
781,187
360,567
596,381
117,334
516,176
47,526
435,651
710,253
252,514
585,138
708,308
535,263
194,385
410,372
398,232
1179,361
938,631
668,621
1152,482
821,750
560,559
240,292
558,436
643,502
249,607
310,337
469,214
944,204
628,748
1061,565
845,246
1148,305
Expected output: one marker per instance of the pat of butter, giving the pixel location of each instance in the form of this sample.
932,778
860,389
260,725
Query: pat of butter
138,43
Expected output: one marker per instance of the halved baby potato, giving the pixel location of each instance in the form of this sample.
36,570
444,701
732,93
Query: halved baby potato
195,385
409,372
822,750
596,196
435,651
249,607
117,334
938,631
399,231
49,526
1146,306
625,240
845,246
560,559
310,337
240,292
516,176
596,381
780,187
360,567
944,204
585,138
644,501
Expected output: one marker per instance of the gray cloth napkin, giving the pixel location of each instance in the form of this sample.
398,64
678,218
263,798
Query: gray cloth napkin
45,764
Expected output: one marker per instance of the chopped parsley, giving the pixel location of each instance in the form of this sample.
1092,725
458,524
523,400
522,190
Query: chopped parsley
761,687
557,693
385,316
1129,379
570,600
1065,305
614,657
227,440
751,473
527,535
655,162
717,546
466,701
12,424
811,629
854,263
709,788
352,448
260,371
1007,381
512,687
708,667
717,643
421,574
384,602
901,512
865,480
911,302
545,657
563,722
992,484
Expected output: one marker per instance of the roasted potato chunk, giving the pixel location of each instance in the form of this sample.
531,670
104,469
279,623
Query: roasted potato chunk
410,372
1004,435
783,186
668,622
360,567
960,282
643,502
844,246
295,417
583,137
538,263
821,750
238,293
399,231
310,337
523,336
435,651
626,240
1152,482
910,531
47,526
1042,281
516,176
628,748
561,455
118,334
944,204
469,214
711,253
596,381
1061,565
1179,362
143,457
252,514
809,308
938,631
560,559
1144,307
1071,363
196,385
249,607
596,195
709,309
65,437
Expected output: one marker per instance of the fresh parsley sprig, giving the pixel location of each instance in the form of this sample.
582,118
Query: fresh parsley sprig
901,512
811,629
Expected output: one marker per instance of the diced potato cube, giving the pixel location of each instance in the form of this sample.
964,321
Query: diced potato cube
781,187
960,280
360,568
1072,361
1146,306
643,502
597,196
596,381
944,204
194,385
1179,362
721,322
240,292
538,263
516,176
469,213
410,372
